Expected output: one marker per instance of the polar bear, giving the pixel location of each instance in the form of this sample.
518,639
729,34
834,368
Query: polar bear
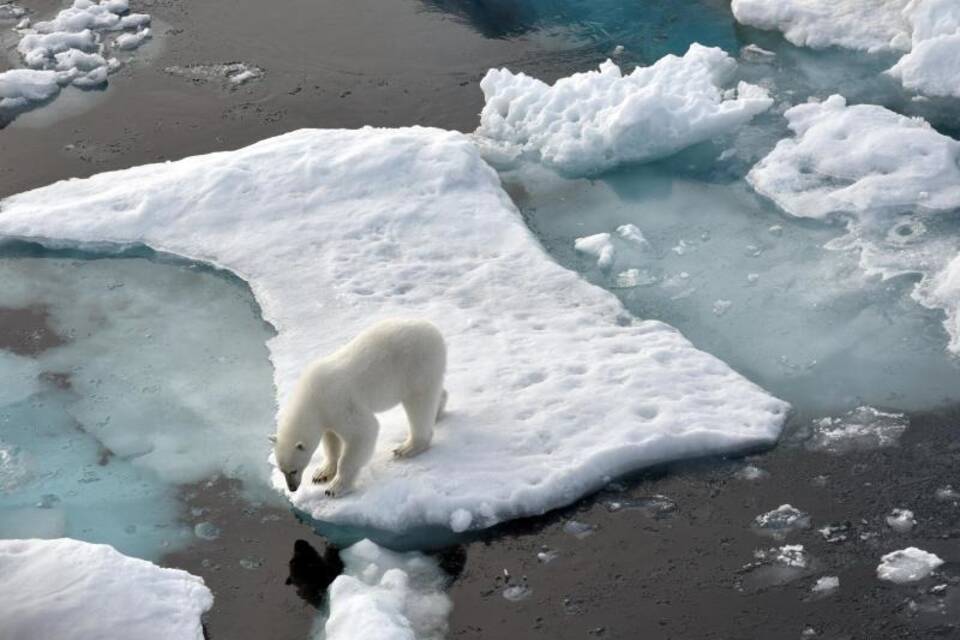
393,362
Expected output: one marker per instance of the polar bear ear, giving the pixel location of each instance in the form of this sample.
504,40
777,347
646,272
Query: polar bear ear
299,445
272,438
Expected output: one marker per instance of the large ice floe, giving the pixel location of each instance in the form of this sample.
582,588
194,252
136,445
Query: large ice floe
927,30
76,47
896,181
589,122
386,595
553,387
74,590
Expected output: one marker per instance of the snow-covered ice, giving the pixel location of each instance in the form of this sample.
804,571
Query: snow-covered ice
907,565
901,520
71,48
781,521
384,595
553,387
589,122
932,66
893,178
72,590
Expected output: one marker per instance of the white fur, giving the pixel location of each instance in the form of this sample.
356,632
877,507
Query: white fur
393,362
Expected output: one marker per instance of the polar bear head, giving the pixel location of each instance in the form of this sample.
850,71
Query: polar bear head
292,456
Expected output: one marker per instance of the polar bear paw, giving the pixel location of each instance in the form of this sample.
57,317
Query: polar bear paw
409,449
336,489
324,474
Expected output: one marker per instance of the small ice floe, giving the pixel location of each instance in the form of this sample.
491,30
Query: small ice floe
834,533
907,565
655,506
947,494
70,589
206,531
753,278
599,246
631,278
756,53
130,41
861,428
250,564
14,471
901,520
547,555
751,472
773,567
781,521
231,74
592,121
720,307
517,592
579,530
826,585
384,594
631,233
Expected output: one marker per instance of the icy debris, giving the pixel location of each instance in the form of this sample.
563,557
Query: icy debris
206,531
826,585
752,472
835,533
590,122
634,278
384,594
774,566
907,565
947,494
378,193
547,556
598,246
251,564
70,49
70,589
901,520
720,307
790,555
579,530
655,506
517,592
233,74
755,52
861,428
13,469
632,233
870,25
781,521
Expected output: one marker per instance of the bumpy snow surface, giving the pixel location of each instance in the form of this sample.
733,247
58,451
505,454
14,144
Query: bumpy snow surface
907,565
72,48
72,590
891,176
382,595
589,122
553,387
929,30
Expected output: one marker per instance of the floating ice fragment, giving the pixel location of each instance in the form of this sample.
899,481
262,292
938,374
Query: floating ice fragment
517,592
781,521
834,533
907,565
751,472
251,564
589,122
655,506
579,530
598,246
547,555
861,428
70,589
233,74
206,531
720,307
901,520
634,278
826,585
633,234
130,41
383,594
947,494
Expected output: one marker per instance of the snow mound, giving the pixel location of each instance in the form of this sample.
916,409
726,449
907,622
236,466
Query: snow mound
383,595
933,64
553,387
72,48
907,565
589,122
892,177
72,590
868,25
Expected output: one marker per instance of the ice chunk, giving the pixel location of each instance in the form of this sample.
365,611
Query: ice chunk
542,365
128,41
862,428
752,472
774,566
579,530
901,520
870,25
932,66
782,521
20,87
826,585
598,246
386,595
70,589
907,565
589,122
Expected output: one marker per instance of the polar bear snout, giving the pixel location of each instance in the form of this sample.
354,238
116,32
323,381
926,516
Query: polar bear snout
293,480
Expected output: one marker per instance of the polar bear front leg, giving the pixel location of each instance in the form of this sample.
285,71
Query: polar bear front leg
331,456
358,440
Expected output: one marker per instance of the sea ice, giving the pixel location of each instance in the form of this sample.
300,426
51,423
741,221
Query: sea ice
907,565
901,520
70,49
74,590
782,521
384,595
553,387
589,122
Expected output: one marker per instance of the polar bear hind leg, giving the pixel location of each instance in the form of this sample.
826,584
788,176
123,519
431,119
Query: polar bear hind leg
422,410
331,456
443,404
